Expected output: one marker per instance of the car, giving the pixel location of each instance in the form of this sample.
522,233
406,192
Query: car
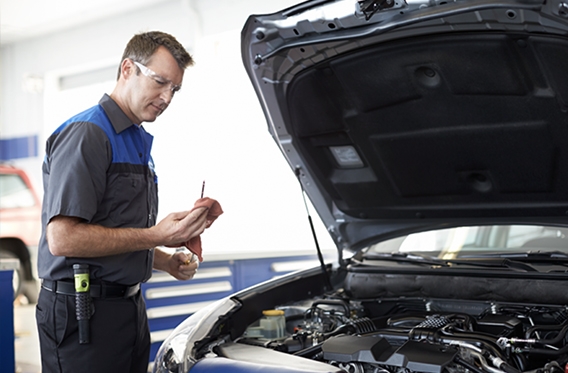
20,227
431,137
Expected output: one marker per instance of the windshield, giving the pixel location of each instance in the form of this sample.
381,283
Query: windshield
14,193
455,242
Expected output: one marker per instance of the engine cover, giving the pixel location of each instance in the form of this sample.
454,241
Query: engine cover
420,356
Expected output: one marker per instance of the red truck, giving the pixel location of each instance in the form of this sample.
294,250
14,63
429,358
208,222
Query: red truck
20,227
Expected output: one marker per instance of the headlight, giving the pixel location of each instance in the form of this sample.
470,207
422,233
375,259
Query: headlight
176,354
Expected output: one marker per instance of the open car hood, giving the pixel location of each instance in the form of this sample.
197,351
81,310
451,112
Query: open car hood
401,116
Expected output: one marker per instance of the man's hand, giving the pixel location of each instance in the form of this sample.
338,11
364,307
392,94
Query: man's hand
181,265
179,227
69,236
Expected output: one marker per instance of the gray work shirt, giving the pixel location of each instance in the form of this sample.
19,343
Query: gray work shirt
98,168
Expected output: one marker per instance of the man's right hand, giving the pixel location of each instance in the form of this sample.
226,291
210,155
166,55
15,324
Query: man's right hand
70,236
179,227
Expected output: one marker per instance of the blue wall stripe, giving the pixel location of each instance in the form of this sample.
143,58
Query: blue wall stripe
18,147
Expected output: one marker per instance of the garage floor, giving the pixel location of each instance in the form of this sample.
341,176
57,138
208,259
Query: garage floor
26,342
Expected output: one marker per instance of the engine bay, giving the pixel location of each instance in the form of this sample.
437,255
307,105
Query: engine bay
402,335
480,315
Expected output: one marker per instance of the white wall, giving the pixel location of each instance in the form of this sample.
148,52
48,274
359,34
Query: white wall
214,130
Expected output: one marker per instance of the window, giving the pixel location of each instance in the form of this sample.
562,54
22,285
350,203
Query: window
450,243
14,193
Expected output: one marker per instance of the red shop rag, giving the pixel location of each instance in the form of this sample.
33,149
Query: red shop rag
213,211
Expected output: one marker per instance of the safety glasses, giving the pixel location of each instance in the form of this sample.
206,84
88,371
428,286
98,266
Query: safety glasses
161,82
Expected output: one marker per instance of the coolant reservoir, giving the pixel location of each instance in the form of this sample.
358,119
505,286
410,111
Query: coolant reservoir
273,324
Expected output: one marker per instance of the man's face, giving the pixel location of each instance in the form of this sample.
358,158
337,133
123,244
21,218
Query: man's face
152,87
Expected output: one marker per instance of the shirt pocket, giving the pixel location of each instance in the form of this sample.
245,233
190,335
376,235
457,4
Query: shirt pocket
127,201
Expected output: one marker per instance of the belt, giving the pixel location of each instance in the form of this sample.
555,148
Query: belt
101,290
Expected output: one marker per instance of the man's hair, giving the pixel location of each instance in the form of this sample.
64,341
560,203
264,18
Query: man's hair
142,46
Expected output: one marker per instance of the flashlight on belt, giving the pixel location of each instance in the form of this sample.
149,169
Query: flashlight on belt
82,300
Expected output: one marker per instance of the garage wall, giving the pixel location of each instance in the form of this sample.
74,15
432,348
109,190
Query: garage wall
214,130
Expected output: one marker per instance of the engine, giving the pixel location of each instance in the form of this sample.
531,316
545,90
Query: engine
423,335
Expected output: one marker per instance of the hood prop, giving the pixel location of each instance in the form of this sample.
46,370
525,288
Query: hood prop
297,171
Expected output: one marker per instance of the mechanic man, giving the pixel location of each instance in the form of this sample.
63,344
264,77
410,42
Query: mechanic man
100,208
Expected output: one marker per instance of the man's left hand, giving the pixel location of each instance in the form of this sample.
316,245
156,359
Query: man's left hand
182,264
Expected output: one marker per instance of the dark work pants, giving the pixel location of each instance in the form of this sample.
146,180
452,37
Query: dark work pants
119,335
